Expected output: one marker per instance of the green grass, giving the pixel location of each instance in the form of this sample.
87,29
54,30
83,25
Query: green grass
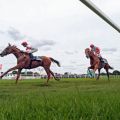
68,99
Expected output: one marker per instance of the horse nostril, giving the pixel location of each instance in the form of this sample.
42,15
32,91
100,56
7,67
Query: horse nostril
1,55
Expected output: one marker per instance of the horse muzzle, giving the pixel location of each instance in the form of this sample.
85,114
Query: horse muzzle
1,55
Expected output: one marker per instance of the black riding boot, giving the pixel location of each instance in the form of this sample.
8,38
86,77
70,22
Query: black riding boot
101,59
31,56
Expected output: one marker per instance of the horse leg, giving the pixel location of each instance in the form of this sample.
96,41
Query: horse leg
13,68
98,74
107,73
91,67
54,76
48,74
95,68
90,72
18,75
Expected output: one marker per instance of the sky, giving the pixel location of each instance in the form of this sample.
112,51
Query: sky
61,29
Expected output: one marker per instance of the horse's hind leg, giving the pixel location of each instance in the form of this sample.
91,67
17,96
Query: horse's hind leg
48,74
107,72
54,75
98,74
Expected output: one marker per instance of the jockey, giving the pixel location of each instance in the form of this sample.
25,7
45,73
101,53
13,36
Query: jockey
96,51
29,49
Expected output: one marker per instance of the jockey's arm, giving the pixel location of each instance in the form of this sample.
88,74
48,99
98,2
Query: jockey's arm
33,50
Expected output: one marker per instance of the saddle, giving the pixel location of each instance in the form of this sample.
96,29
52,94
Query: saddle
34,58
103,61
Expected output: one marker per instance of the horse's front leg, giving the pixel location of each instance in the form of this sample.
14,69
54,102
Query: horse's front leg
13,68
91,67
91,71
98,74
95,68
18,75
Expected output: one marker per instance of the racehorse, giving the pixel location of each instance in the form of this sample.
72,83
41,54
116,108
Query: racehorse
96,63
24,62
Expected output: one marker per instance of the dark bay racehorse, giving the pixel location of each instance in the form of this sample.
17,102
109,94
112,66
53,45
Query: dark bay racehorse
24,62
96,64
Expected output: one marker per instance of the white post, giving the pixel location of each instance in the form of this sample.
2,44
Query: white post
96,10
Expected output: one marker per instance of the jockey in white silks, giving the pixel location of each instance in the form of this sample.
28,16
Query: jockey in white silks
29,49
96,50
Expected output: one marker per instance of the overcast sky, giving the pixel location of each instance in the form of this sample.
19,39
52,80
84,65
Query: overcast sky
61,29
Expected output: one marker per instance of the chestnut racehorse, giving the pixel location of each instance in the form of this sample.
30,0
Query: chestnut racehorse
24,62
96,63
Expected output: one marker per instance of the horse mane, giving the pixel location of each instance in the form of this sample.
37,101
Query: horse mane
15,47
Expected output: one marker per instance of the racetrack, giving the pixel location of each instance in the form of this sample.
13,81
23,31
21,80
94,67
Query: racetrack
68,99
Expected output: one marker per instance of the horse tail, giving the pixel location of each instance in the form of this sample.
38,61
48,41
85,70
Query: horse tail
53,60
111,67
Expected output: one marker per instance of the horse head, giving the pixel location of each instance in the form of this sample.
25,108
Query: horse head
8,50
89,53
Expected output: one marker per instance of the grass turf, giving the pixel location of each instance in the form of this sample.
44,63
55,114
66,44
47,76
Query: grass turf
68,99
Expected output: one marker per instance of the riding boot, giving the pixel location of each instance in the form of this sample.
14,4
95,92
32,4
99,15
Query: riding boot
102,62
31,56
101,59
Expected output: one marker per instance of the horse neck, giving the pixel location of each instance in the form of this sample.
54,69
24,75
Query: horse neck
17,53
92,56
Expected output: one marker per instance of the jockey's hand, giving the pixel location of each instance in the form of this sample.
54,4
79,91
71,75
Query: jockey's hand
22,51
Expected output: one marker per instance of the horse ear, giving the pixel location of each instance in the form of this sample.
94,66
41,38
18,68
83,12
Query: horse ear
9,44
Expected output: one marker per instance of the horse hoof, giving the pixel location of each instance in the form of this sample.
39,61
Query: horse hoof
58,79
46,84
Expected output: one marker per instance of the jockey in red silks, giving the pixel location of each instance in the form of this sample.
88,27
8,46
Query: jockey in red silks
96,51
29,49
